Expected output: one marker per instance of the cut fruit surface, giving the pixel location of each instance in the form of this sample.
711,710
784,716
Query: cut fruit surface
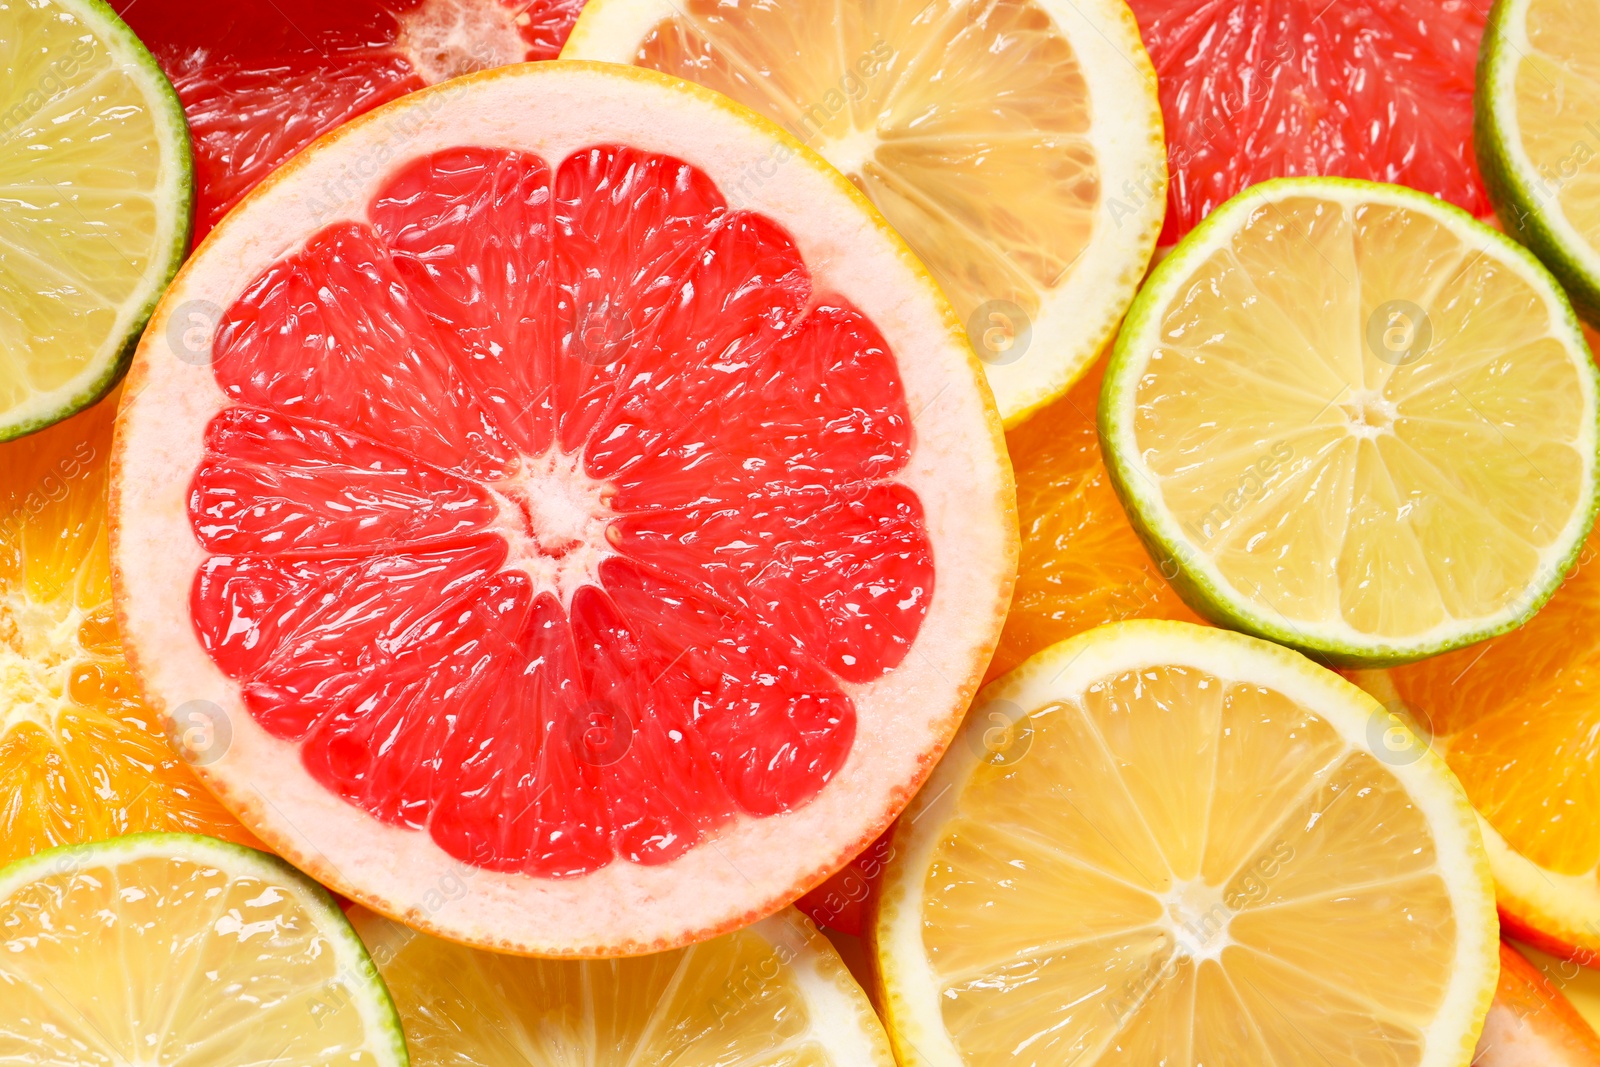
774,994
227,957
1516,720
1579,984
1538,98
1372,89
261,79
81,756
1356,421
1531,1024
1015,145
545,515
95,217
1189,853
1081,564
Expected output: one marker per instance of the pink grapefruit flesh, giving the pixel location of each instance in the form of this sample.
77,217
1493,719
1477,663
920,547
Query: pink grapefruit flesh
261,79
554,522
1258,89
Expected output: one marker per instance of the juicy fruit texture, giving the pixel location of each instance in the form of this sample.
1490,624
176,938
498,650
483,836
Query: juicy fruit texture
1580,985
1531,1024
95,164
644,564
1361,423
81,757
1189,855
1516,720
261,79
1539,93
225,956
774,994
1082,565
1016,145
1368,89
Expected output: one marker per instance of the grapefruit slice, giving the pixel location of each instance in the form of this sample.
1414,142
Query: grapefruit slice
1530,1023
540,517
261,79
1374,89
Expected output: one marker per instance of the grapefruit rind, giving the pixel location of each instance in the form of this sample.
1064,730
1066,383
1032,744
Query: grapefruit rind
174,197
906,990
1195,577
1081,315
361,985
1509,172
905,719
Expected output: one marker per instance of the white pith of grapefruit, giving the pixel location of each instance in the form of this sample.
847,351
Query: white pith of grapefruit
904,718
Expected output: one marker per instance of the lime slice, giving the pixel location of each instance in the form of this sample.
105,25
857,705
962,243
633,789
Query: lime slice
1538,121
97,205
183,951
1351,419
1162,843
775,994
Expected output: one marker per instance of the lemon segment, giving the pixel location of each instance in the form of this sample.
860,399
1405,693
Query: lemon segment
183,951
1016,145
96,206
775,994
1359,422
1187,850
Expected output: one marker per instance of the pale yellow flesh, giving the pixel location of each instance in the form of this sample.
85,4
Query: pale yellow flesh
157,960
965,124
735,1001
1185,868
1558,103
80,226
1331,486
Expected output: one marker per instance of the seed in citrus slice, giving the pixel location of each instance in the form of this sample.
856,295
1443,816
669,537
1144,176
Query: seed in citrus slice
1530,1024
1357,421
1190,853
81,756
1015,145
261,79
223,956
774,994
1539,135
95,218
1515,718
1373,89
1081,564
541,514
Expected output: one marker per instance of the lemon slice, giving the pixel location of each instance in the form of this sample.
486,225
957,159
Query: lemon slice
183,951
1355,420
96,209
775,994
1016,145
1538,122
1181,847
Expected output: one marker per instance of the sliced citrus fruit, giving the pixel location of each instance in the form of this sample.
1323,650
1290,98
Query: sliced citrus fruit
1016,145
81,757
1374,89
1530,1024
774,994
1355,421
1539,136
1189,853
225,956
1579,984
539,512
95,214
261,79
1081,564
1517,721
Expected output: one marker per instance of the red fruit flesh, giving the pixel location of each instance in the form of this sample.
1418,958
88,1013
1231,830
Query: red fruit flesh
556,511
261,79
1258,89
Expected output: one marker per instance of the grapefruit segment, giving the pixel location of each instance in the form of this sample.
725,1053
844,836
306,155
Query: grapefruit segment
551,603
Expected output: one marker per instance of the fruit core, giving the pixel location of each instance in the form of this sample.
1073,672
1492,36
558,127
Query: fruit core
445,39
556,521
1197,919
37,652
